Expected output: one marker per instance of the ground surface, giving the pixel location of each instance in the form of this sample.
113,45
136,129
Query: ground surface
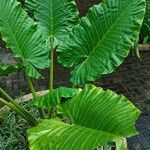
141,141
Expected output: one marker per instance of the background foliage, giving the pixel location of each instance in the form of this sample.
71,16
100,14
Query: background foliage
145,30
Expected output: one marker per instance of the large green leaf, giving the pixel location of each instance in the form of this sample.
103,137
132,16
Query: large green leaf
19,32
54,98
102,40
7,69
54,17
97,117
56,135
103,110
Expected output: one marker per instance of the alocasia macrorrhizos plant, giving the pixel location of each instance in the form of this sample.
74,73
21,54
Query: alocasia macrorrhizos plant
93,45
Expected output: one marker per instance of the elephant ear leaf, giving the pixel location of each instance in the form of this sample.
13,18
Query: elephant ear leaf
55,98
5,70
102,40
97,117
21,35
55,17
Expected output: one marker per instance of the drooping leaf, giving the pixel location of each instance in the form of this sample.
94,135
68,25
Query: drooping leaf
102,40
21,35
55,98
103,110
54,17
56,135
97,117
7,69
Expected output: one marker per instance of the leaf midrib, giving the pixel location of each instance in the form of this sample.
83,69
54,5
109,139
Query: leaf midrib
52,21
80,127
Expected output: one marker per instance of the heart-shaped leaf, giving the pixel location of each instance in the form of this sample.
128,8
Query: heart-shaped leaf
99,44
21,35
55,17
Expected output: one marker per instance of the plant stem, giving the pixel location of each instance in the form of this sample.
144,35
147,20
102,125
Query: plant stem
41,112
22,112
51,80
10,105
8,97
31,86
51,72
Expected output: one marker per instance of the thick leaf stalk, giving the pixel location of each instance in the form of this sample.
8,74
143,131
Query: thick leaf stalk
51,79
41,112
17,108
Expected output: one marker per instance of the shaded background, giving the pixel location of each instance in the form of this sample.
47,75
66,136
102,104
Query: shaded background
132,78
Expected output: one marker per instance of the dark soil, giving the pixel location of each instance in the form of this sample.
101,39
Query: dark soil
84,5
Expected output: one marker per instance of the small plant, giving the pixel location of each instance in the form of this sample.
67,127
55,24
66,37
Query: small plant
73,118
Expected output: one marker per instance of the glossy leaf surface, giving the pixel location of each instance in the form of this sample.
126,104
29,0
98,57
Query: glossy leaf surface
97,117
99,44
21,35
55,17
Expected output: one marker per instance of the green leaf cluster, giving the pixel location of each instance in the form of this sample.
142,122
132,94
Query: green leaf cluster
145,30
